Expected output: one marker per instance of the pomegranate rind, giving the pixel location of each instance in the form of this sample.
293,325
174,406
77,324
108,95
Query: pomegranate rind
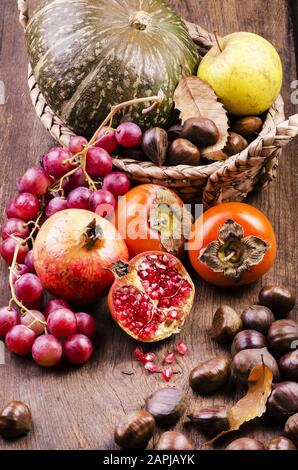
67,266
166,328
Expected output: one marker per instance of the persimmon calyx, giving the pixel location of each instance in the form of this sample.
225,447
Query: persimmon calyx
233,254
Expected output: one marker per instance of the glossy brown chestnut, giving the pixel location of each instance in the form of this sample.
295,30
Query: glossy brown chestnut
283,336
210,420
183,152
279,299
226,323
216,156
283,401
291,428
281,443
175,132
245,360
173,440
155,145
166,405
248,339
247,126
288,366
245,443
210,375
202,132
15,420
257,317
235,144
136,430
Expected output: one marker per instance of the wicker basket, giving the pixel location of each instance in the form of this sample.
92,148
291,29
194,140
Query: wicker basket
230,180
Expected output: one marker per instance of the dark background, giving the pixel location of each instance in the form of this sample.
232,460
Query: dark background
79,408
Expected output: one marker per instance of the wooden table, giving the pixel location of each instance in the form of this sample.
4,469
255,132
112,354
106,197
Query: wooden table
79,408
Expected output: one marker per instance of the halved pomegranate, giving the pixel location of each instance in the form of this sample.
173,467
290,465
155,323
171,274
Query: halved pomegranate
151,296
73,253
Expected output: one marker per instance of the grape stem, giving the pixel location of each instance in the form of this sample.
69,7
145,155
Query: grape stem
80,158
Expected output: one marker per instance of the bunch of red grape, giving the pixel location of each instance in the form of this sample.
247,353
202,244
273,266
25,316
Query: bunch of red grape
79,177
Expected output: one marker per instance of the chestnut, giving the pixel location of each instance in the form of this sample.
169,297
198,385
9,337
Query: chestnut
246,359
283,336
245,443
155,145
288,366
211,420
15,420
226,323
173,440
183,152
175,132
166,405
283,401
136,430
257,317
216,156
235,144
291,428
247,126
201,132
210,375
248,339
281,443
279,299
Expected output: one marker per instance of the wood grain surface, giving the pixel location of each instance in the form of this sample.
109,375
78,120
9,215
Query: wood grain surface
78,408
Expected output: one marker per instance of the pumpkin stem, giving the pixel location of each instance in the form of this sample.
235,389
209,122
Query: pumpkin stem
140,20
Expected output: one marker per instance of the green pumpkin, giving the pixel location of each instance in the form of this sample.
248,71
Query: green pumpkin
88,55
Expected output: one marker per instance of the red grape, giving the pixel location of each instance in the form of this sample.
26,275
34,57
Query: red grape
37,327
76,144
55,304
20,340
36,305
107,140
47,351
78,349
79,198
62,322
19,270
78,179
10,208
55,205
28,288
29,261
117,183
128,134
15,227
99,162
55,162
85,324
9,318
26,206
34,181
102,202
8,246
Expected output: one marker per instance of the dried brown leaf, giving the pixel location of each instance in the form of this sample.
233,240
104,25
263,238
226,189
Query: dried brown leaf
195,98
253,404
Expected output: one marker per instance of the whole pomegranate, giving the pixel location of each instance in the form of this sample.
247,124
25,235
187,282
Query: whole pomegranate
73,253
151,296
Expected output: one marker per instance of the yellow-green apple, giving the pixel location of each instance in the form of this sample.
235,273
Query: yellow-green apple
245,71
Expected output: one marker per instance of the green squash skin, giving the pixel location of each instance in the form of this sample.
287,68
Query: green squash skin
87,55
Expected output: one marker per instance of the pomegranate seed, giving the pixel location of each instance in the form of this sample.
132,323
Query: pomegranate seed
170,358
167,373
173,315
151,367
182,348
149,357
139,353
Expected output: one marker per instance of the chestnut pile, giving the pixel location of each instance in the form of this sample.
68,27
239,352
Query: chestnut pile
259,335
184,145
